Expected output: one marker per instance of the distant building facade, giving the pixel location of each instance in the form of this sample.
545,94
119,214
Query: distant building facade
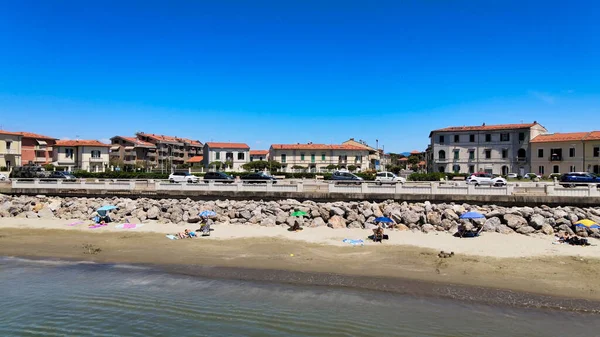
231,155
498,149
133,152
10,149
36,149
318,157
566,152
258,155
373,158
86,155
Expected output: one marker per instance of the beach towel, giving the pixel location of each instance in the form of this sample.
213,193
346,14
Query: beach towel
98,225
128,226
171,236
75,223
354,242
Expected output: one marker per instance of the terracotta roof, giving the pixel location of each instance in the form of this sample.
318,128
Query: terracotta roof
81,142
560,137
190,141
196,159
317,147
135,141
228,145
487,127
403,159
415,152
594,135
259,152
422,163
34,135
2,132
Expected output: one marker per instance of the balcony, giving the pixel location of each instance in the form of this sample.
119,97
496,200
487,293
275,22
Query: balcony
442,160
521,159
41,159
556,157
10,151
129,162
96,159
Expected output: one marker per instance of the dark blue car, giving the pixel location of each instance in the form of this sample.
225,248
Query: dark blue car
573,179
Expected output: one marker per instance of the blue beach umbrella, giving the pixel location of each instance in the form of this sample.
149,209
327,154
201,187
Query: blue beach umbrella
472,215
384,219
106,208
206,214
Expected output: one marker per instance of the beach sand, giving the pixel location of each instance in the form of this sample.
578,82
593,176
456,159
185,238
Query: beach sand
511,262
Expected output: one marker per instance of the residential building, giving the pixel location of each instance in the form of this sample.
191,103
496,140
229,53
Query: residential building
133,153
172,151
196,162
558,153
232,155
86,155
36,149
319,157
498,149
259,155
374,157
592,152
10,150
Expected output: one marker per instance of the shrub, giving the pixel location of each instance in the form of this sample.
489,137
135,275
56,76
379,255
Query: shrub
120,175
435,176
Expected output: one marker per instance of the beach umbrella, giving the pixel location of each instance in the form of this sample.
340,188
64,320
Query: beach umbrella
206,214
106,208
472,215
587,223
299,213
384,219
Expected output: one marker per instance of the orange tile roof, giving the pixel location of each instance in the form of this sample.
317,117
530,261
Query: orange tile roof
415,152
135,141
560,137
317,147
487,127
2,132
594,135
196,159
228,145
34,135
259,152
81,142
422,163
403,159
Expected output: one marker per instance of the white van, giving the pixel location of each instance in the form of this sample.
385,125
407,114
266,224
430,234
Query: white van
388,178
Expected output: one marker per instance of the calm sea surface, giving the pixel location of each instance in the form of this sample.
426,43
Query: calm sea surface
46,298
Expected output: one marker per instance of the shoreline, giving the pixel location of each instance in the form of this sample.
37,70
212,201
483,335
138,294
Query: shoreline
567,282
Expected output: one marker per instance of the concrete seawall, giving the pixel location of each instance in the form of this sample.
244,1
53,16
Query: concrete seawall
504,200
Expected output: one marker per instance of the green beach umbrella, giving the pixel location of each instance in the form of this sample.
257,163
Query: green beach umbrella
298,213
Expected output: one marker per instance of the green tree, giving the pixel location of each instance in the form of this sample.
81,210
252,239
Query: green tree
352,168
260,165
48,167
332,167
216,165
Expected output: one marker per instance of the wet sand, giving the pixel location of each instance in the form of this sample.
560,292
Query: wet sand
567,282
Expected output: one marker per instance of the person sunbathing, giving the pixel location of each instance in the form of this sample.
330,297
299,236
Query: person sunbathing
378,234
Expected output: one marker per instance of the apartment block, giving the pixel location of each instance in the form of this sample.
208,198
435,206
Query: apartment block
36,149
498,149
133,152
257,155
171,151
318,157
10,149
374,158
566,152
233,155
86,155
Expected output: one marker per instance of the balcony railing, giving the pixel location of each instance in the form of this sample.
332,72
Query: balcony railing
41,159
96,160
556,158
9,151
521,159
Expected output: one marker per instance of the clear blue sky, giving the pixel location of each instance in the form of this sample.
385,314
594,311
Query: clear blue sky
265,72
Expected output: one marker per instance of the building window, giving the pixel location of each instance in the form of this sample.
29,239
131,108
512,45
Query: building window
69,153
488,154
572,168
358,159
540,153
488,137
301,156
572,153
95,154
441,139
240,155
521,137
522,154
504,170
8,144
471,168
323,156
597,152
283,158
555,169
312,158
505,137
441,169
456,154
442,156
218,155
251,158
471,154
541,170
456,138
456,168
504,153
555,154
596,169
472,138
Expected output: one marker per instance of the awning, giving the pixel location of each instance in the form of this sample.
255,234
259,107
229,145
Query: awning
129,148
41,142
114,148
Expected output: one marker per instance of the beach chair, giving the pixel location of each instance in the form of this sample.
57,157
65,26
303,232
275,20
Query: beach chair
469,233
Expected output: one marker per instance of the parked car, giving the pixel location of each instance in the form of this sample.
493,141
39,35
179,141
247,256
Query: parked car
67,176
573,179
342,177
485,179
28,171
219,177
532,176
512,175
258,178
183,177
388,178
3,177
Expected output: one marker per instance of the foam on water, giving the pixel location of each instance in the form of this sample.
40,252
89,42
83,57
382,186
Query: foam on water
48,298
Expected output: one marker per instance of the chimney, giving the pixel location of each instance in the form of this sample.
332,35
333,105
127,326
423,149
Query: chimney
484,124
352,139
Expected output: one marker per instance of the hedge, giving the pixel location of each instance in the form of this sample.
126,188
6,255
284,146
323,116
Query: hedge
120,175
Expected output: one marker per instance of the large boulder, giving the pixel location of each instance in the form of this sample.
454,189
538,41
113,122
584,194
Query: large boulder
559,213
153,213
410,217
547,229
355,224
336,211
514,221
402,227
426,228
317,222
434,218
336,221
504,229
268,222
537,221
46,213
141,214
525,230
450,214
246,214
491,224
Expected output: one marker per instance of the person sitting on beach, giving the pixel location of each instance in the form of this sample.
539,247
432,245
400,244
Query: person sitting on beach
378,234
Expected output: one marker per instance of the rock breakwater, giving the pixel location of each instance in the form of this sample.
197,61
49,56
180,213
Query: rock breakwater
425,217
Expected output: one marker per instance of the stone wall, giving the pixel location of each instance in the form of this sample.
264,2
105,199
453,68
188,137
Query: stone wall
425,216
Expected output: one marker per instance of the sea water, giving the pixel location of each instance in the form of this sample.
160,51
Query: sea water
52,298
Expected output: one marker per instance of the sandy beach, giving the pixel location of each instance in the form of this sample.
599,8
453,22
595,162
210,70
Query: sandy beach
512,262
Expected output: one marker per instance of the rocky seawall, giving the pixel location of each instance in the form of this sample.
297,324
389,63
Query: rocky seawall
425,217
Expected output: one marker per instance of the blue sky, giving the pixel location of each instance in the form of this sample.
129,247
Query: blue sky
265,72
